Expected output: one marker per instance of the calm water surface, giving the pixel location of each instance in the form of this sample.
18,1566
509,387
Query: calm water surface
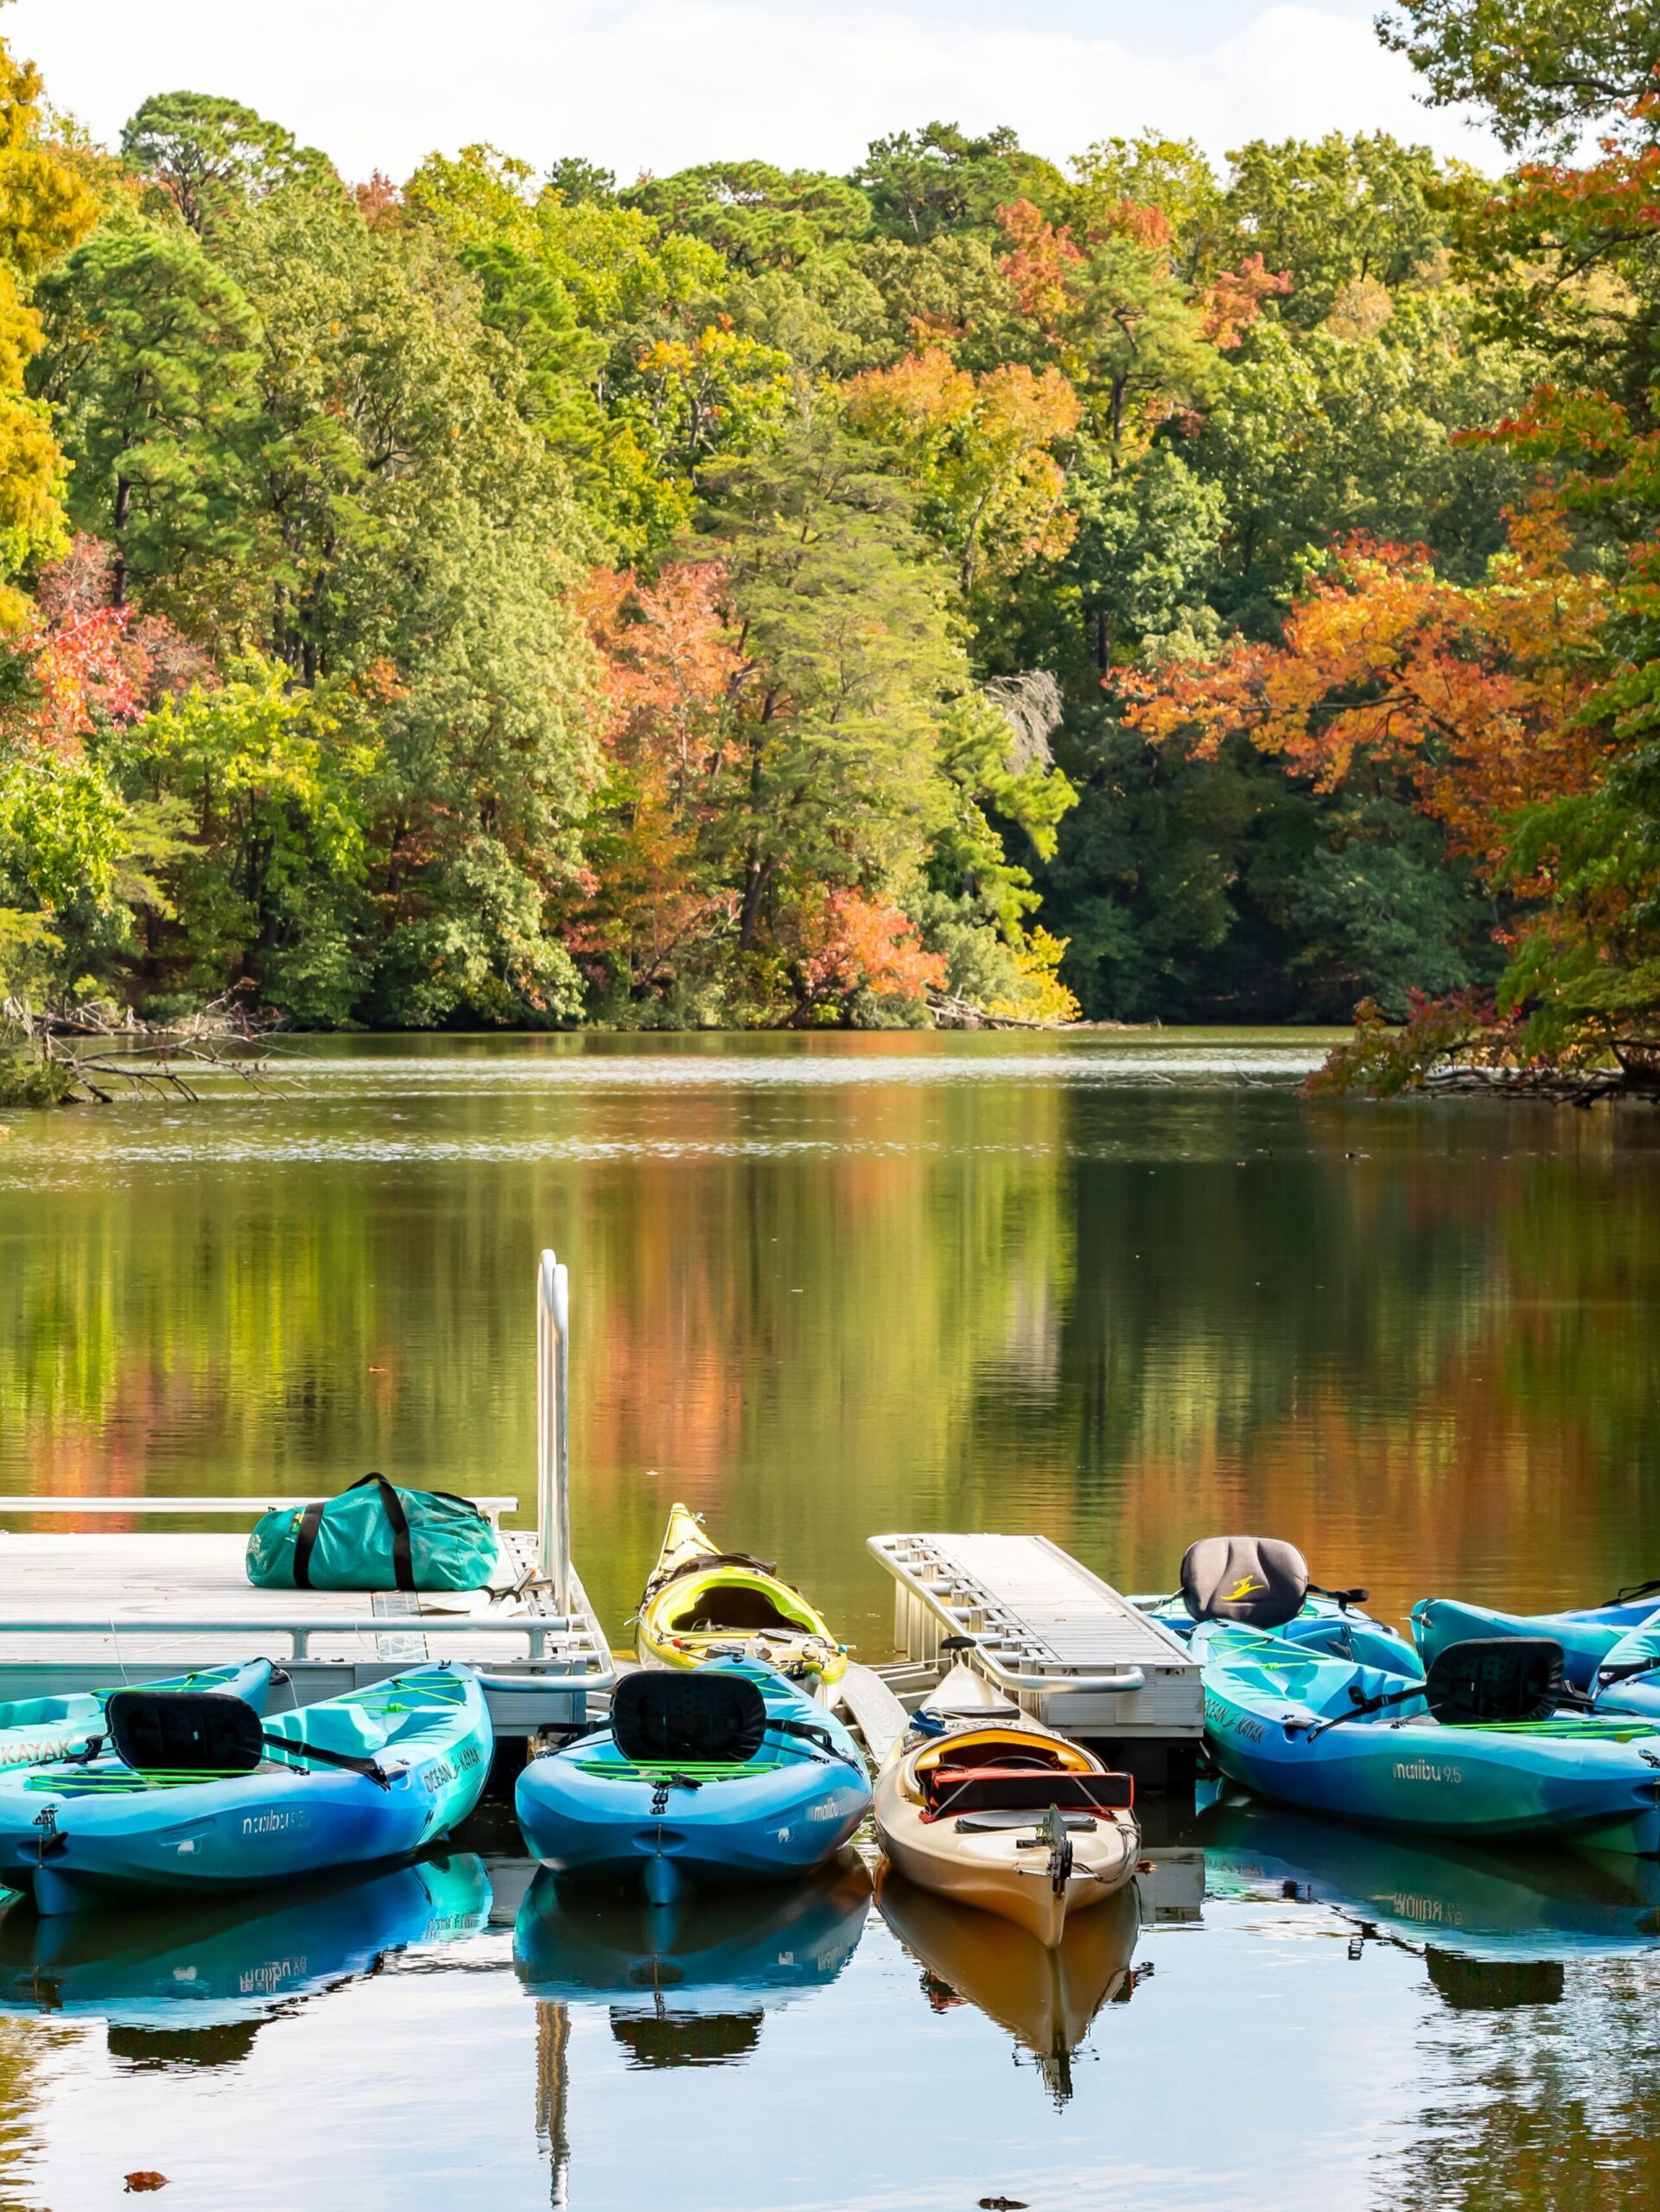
1122,1289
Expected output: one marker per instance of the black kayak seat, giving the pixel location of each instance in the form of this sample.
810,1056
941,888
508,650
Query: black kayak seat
1257,1579
185,1731
657,1715
1495,1678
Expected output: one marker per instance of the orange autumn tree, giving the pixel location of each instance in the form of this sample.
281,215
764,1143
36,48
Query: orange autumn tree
1469,692
849,941
668,665
1473,696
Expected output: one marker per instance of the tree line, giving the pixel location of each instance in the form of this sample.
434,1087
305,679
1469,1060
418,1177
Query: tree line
758,597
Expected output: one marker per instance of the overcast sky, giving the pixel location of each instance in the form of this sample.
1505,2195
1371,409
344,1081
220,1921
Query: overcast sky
657,84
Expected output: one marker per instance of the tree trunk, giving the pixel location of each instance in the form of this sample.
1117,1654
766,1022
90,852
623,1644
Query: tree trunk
118,567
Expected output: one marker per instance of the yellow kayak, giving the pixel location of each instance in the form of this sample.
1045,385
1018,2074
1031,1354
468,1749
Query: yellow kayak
701,1601
984,1804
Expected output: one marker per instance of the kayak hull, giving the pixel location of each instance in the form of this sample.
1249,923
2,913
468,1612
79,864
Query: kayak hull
72,1836
589,1813
983,1871
1272,1722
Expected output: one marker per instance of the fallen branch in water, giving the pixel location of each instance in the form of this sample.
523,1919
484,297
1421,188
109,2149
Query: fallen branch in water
1461,1046
93,1054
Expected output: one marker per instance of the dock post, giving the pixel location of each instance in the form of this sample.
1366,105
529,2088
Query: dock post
553,1426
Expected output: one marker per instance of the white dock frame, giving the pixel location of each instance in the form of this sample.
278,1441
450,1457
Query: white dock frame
1063,1644
80,1609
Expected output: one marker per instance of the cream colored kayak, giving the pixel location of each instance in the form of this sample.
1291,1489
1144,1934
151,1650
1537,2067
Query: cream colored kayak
700,1600
980,1803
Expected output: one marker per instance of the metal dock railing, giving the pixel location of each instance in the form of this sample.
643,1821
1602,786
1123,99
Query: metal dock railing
80,1610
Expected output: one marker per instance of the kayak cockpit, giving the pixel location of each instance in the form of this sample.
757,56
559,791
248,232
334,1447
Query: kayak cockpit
720,1604
1009,1778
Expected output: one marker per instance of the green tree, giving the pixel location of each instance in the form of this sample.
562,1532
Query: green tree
849,662
269,785
1543,69
922,183
148,369
206,156
1338,212
756,217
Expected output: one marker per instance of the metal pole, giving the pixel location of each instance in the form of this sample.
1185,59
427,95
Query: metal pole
553,1425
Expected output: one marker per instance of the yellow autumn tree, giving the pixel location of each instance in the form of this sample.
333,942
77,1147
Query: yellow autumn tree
45,208
981,450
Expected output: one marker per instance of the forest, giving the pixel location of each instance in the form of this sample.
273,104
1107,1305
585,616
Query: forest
981,585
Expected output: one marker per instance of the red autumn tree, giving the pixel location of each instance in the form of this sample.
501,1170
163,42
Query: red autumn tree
668,668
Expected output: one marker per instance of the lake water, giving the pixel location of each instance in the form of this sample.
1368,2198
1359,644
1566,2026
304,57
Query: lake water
1123,1289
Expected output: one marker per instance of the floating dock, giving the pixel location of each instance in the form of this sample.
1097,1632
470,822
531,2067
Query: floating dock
83,1610
1060,1642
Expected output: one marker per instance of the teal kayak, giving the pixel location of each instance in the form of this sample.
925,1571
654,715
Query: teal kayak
725,1773
1588,1638
34,1730
230,1962
1335,1735
1610,1652
202,1794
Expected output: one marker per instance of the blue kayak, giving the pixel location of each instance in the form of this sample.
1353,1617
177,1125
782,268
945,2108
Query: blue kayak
728,1773
1588,1637
227,1962
1335,1736
202,1794
35,1729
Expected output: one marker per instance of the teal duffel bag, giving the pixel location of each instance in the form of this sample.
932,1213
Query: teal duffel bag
375,1536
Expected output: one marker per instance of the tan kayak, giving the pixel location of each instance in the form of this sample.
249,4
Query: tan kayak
1045,1997
980,1803
701,1601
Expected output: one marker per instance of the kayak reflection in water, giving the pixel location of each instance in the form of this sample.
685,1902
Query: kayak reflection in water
192,1984
1494,1925
1046,1996
690,1984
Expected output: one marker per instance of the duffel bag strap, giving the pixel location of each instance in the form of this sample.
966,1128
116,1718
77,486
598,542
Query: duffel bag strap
399,1521
305,1540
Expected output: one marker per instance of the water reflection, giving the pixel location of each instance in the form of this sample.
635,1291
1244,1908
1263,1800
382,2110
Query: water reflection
690,1984
837,1289
1479,1907
191,1985
1046,1999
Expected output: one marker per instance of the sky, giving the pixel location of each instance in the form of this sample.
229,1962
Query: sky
658,85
